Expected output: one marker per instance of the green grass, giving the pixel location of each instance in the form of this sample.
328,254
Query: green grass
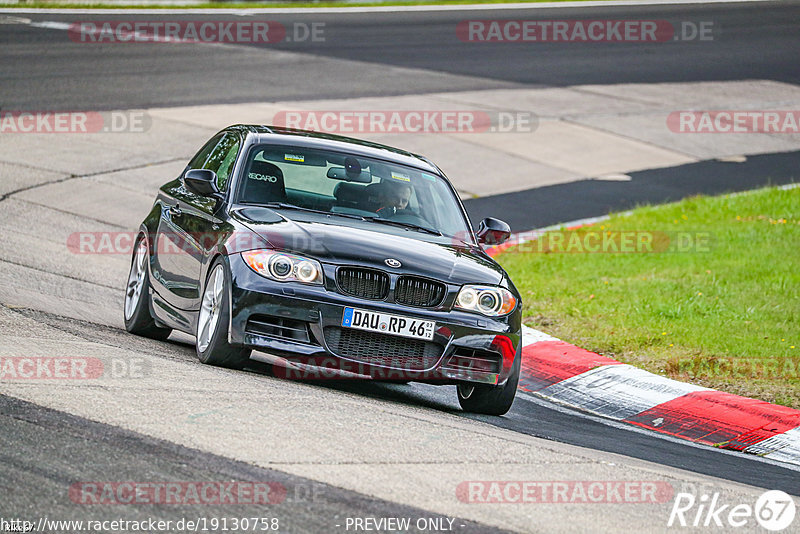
248,5
727,318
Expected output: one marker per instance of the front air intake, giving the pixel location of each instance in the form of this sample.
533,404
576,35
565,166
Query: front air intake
364,283
420,292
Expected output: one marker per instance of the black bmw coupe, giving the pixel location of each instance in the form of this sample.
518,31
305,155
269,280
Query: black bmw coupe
327,250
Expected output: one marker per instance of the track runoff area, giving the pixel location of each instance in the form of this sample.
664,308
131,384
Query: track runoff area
569,375
590,383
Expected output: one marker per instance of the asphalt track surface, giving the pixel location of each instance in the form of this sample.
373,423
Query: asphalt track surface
38,68
529,415
550,205
39,71
51,449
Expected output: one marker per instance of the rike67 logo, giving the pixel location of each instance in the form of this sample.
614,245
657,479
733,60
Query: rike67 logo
774,510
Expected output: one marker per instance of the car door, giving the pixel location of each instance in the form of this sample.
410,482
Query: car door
189,227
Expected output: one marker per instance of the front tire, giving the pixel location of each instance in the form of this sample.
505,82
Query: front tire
136,311
491,400
212,323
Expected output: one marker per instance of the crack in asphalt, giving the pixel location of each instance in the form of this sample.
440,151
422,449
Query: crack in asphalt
31,187
76,177
67,276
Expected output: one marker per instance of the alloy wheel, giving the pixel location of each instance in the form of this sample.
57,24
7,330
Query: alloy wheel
210,308
136,279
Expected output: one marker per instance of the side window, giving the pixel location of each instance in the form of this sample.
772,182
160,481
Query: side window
200,158
222,159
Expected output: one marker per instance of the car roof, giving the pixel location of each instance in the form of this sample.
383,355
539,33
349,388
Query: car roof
309,139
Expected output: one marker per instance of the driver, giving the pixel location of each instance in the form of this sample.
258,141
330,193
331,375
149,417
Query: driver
394,197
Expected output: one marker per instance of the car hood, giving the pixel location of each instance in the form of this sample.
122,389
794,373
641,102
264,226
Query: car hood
453,262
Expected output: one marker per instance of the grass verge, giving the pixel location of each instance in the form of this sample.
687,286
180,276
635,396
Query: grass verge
715,302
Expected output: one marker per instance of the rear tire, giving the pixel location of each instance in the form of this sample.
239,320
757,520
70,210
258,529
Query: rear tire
136,311
212,323
491,400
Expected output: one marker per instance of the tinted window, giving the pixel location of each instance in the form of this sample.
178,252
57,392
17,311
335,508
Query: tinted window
222,158
200,158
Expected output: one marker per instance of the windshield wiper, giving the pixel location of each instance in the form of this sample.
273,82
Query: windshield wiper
404,225
287,206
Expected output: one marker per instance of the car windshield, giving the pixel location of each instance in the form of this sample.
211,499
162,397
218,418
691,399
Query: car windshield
385,193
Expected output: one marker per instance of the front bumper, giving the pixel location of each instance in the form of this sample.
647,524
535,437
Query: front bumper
303,323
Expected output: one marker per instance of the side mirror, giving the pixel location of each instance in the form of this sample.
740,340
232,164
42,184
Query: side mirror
201,182
493,231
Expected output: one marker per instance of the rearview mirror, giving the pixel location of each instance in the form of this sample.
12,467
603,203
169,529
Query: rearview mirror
201,182
493,231
340,173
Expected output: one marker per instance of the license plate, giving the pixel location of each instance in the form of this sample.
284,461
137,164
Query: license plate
386,323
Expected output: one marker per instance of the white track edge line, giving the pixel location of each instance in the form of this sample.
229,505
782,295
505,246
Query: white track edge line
372,9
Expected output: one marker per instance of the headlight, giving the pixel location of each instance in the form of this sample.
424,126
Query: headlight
492,301
284,267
